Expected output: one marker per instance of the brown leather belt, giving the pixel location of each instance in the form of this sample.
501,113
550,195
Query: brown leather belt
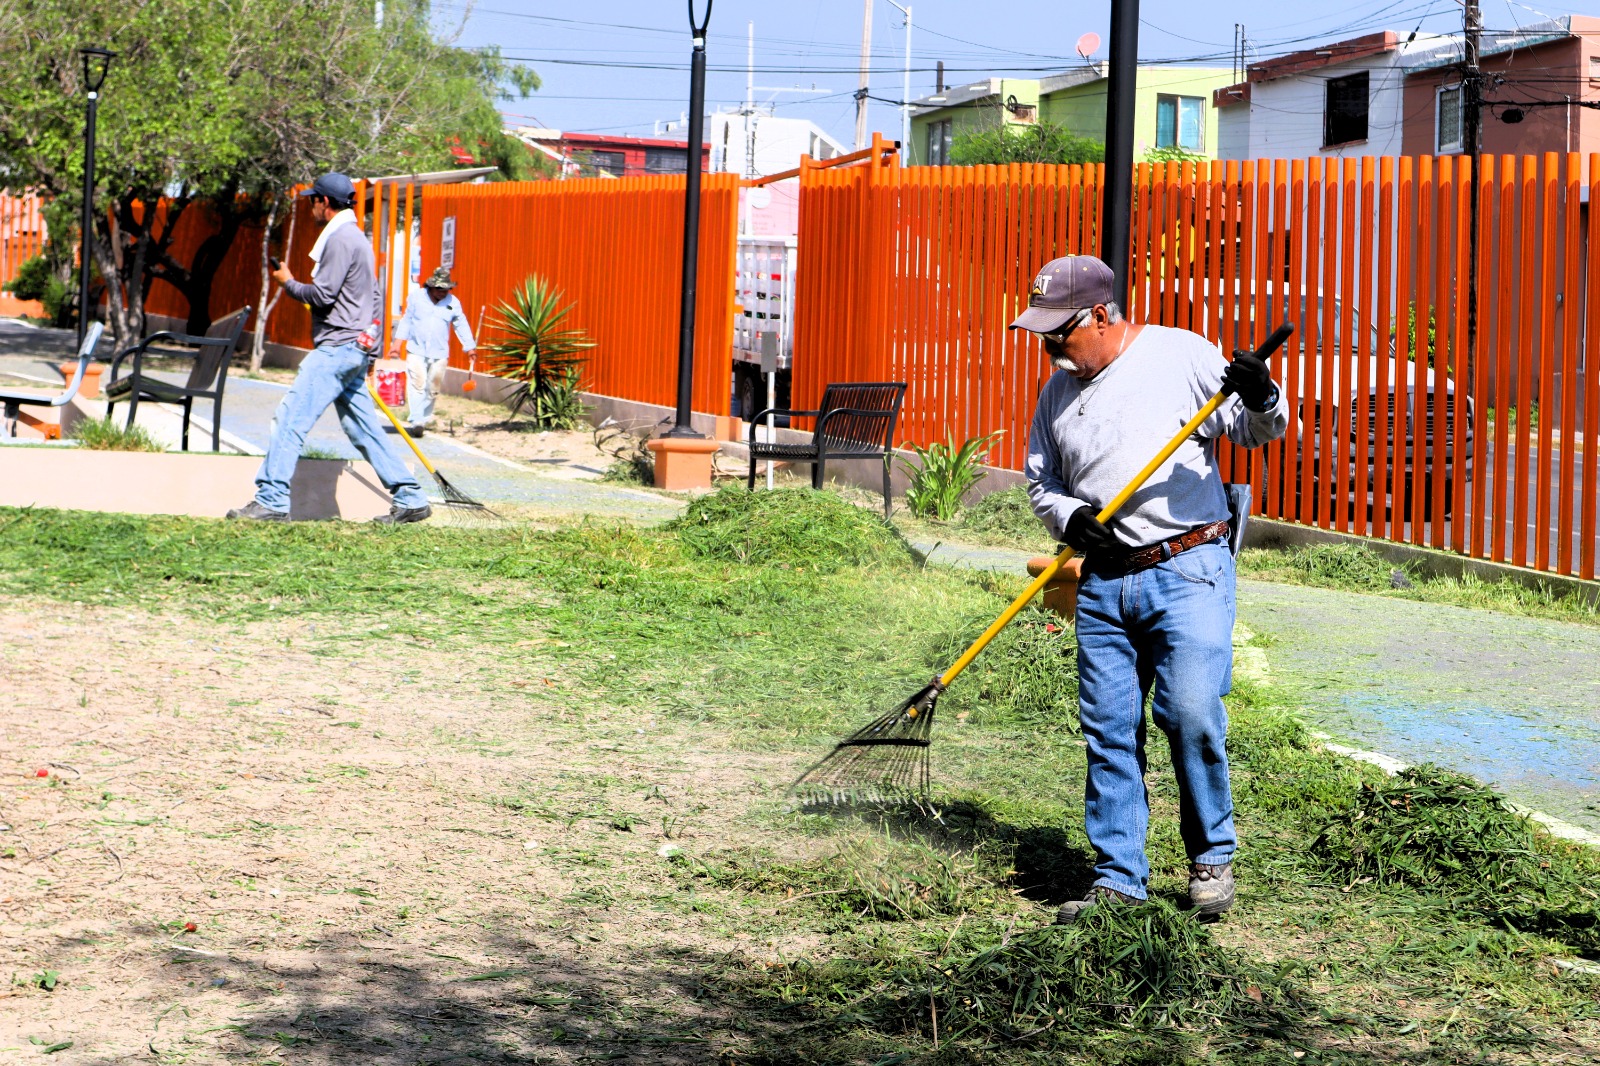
1140,558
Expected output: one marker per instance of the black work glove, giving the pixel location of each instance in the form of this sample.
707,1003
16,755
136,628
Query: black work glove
1248,378
1088,536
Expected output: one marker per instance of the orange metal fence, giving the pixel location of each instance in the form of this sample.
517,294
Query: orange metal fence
22,236
615,249
1403,427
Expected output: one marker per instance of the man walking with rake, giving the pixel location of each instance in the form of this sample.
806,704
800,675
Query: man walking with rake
345,306
1156,598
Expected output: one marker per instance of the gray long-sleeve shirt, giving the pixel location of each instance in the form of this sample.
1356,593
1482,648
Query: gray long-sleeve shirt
1090,438
343,292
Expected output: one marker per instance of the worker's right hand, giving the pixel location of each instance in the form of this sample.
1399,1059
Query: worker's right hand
1088,536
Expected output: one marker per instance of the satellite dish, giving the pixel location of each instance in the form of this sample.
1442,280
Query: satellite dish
760,197
1088,44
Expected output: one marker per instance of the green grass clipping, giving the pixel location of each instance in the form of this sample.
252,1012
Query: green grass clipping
797,529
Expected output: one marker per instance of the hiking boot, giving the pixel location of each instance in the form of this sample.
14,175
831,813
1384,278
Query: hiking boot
1070,910
1211,887
399,516
257,513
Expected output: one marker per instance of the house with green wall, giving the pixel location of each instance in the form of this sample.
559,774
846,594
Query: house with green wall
1172,108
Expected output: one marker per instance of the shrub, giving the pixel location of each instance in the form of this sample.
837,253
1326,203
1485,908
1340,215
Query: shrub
107,436
538,350
944,475
36,280
1042,142
798,528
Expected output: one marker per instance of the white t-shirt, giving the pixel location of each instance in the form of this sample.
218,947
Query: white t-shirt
1090,438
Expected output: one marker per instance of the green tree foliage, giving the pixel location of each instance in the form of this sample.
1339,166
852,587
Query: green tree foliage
227,105
1042,142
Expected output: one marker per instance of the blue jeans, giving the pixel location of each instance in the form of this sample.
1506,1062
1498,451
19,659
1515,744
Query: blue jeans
1164,632
338,376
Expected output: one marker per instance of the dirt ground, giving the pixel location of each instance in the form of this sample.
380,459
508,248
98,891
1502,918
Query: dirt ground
263,844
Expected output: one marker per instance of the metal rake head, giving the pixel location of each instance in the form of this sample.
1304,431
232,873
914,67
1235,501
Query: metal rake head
463,508
884,762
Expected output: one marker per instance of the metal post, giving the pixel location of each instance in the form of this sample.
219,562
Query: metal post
866,67
92,80
1472,104
1117,206
905,92
691,225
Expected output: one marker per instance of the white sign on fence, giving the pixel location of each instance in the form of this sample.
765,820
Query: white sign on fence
447,243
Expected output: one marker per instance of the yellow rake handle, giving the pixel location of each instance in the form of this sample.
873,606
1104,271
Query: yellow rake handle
1272,343
423,459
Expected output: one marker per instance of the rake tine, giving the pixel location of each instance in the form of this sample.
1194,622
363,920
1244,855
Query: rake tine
885,761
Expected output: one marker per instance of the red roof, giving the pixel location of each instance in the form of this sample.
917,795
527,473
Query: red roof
1327,55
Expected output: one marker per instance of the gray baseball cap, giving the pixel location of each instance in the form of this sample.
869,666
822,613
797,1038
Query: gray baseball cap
334,187
1063,288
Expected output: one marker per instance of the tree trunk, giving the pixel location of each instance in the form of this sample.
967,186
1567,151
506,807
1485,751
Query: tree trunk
258,343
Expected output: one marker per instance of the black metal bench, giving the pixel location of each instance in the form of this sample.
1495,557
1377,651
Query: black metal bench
211,355
855,421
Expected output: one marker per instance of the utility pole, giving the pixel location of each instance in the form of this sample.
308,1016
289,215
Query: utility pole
905,92
866,64
1472,104
1117,206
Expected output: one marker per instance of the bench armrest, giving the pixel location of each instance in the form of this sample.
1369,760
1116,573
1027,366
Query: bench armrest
764,412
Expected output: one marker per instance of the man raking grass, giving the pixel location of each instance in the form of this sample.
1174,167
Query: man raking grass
1158,623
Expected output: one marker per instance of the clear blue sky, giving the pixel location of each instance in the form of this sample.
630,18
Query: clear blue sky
621,65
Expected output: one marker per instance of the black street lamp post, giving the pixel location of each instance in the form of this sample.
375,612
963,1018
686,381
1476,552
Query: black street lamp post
691,224
93,78
1117,207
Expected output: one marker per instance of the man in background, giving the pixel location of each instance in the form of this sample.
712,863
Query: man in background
426,327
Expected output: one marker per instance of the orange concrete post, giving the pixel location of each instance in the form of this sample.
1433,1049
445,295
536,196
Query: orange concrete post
1060,595
683,463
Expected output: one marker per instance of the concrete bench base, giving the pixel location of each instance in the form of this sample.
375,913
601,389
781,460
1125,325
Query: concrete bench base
198,484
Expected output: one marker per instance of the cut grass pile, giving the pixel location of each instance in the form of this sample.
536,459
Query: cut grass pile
1004,516
1356,568
789,528
1445,834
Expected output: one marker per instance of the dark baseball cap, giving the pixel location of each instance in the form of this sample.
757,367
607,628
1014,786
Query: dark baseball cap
333,186
1063,288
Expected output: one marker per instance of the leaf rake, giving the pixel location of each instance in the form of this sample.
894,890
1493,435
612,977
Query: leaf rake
470,511
886,761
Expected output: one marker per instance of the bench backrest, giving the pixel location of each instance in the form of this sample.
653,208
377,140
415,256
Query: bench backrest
211,361
874,408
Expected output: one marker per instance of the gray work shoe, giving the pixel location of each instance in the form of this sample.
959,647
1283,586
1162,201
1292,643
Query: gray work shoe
399,516
1211,887
416,431
255,512
1070,910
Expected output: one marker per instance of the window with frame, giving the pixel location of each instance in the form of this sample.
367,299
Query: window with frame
1344,118
613,163
939,138
1450,126
666,160
1181,122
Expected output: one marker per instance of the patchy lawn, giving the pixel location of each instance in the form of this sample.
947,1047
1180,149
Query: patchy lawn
515,795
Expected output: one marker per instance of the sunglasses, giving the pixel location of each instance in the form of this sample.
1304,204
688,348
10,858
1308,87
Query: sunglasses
1072,323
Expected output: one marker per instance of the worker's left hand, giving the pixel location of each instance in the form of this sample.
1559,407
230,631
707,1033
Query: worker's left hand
1249,378
282,275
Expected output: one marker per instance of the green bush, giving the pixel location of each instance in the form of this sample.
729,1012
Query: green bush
944,475
1042,142
535,347
790,528
36,280
107,436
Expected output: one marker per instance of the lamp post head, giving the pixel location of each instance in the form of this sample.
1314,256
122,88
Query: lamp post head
697,27
94,78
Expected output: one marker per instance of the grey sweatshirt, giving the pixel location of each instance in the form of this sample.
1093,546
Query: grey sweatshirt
1090,438
343,291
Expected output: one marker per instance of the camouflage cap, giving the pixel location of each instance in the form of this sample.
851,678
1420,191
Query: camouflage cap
439,279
